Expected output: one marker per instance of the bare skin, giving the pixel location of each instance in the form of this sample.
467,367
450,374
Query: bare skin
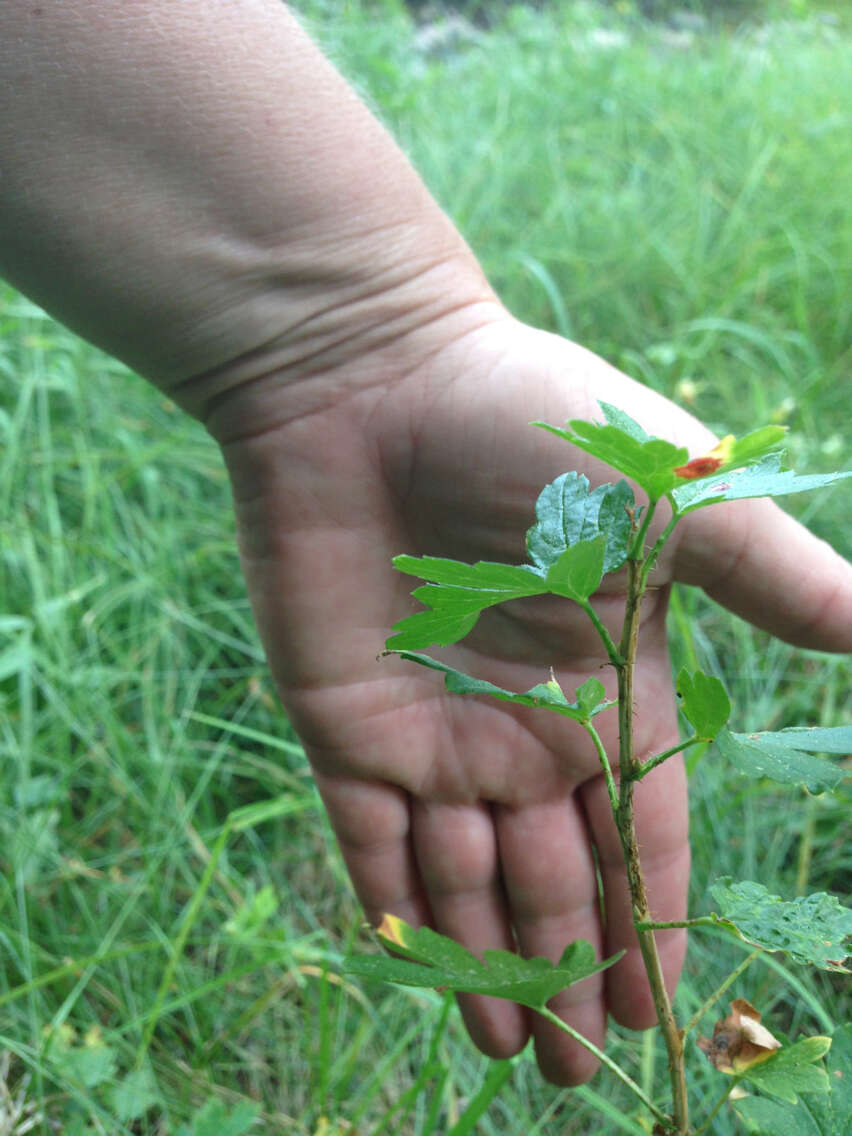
194,188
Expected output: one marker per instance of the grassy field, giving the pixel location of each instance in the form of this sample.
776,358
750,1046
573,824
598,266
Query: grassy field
675,200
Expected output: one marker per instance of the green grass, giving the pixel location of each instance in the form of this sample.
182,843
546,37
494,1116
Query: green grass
681,209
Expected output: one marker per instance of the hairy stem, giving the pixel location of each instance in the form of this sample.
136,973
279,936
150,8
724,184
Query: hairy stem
637,575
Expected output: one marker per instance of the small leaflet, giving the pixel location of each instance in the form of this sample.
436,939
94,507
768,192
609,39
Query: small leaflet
704,702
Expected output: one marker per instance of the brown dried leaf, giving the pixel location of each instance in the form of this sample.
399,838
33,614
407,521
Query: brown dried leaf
739,1040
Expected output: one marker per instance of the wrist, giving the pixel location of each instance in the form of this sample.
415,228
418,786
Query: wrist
195,189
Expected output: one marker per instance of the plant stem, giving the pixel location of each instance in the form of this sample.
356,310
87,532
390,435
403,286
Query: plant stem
605,768
608,1061
612,651
642,770
637,548
637,574
674,924
651,558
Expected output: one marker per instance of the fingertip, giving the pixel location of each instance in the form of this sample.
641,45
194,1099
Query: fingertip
498,1028
761,564
562,1059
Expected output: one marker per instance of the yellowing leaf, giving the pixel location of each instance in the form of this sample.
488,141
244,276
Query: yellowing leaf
391,928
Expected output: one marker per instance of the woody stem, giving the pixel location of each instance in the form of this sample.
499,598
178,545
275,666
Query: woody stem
637,574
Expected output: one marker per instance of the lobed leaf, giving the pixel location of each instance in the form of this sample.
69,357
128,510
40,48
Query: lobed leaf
567,513
484,576
624,445
704,702
764,479
831,1114
792,1070
455,596
812,929
433,960
766,1117
213,1120
457,593
761,755
591,697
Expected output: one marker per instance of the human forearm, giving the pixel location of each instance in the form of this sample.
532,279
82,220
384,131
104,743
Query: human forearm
193,187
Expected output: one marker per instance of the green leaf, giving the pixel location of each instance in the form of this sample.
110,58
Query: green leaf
591,697
816,1114
704,702
622,421
435,960
650,462
89,1061
791,1070
811,739
840,1075
578,571
812,929
754,446
760,755
765,1117
765,479
483,576
133,1096
212,1119
567,513
455,596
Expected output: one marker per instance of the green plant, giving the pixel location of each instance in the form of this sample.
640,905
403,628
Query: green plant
579,536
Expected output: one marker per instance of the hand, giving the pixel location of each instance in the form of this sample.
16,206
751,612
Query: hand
196,190
478,817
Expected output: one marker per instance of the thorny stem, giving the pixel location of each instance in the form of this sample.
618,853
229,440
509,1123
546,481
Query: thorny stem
637,575
608,1061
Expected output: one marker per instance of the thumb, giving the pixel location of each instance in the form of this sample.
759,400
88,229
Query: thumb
755,560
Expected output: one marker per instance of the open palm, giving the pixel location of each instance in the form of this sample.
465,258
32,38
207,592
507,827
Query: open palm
488,821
